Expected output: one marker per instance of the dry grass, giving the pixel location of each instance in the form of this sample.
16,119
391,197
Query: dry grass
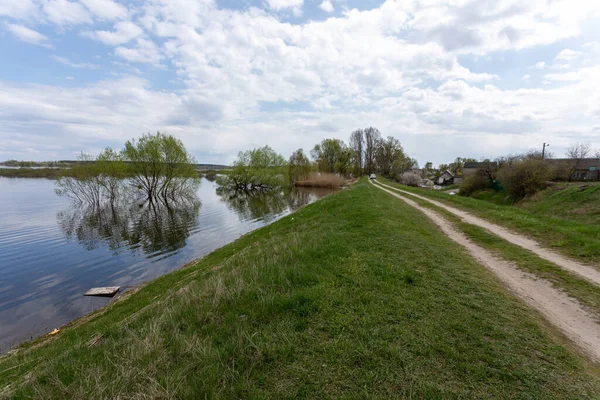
333,181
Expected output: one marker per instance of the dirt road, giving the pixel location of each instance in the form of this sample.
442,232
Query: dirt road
584,271
563,312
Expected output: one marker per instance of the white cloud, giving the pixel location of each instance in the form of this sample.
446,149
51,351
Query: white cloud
17,9
285,4
398,67
123,32
327,6
66,61
66,13
145,51
567,55
106,9
28,35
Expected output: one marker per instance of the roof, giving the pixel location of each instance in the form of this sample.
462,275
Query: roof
448,172
478,164
584,163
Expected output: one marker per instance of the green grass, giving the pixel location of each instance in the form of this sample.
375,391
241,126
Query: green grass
587,293
575,202
574,237
493,196
355,296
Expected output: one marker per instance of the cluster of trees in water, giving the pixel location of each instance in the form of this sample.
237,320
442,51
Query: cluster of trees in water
155,167
366,152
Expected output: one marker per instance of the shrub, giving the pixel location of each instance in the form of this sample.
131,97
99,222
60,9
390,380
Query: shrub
410,179
474,183
525,177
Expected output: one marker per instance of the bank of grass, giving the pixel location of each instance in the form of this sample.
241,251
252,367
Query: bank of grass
578,202
354,296
51,173
571,236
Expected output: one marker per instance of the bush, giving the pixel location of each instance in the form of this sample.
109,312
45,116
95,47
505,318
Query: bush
474,183
410,179
525,177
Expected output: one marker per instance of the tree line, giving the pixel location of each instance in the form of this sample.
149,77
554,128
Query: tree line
366,152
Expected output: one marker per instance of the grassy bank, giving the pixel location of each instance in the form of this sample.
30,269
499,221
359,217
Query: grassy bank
52,173
357,295
577,237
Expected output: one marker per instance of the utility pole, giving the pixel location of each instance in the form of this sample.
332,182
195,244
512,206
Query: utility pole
544,150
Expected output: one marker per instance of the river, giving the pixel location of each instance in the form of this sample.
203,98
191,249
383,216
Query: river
52,251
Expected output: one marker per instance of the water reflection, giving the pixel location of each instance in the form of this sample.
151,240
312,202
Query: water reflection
52,251
153,227
253,204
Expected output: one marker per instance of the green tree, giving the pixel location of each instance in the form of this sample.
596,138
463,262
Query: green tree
372,137
161,166
388,152
298,166
256,169
82,185
357,143
111,169
332,155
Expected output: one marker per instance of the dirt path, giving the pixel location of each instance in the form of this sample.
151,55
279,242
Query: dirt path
585,271
560,310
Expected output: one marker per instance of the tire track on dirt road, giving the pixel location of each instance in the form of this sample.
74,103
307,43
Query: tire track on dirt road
584,271
563,312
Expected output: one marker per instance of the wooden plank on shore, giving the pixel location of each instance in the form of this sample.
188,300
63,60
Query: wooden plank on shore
103,291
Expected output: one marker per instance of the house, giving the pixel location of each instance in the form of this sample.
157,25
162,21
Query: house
445,178
470,168
587,169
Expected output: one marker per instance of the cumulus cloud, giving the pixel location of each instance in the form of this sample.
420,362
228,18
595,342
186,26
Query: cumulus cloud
400,66
145,51
327,6
567,55
66,13
28,35
106,9
123,32
284,4
17,9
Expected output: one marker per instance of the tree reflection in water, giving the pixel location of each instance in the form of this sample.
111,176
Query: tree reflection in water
268,204
154,227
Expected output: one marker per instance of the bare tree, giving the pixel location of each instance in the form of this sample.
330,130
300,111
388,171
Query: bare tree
579,150
357,142
372,137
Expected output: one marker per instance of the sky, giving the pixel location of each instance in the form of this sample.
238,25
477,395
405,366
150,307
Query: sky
470,78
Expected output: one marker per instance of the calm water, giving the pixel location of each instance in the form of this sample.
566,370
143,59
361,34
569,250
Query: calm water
51,252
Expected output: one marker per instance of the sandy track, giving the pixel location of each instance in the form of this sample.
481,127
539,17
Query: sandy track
555,306
584,271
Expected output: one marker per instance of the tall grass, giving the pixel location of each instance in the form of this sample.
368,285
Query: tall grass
323,180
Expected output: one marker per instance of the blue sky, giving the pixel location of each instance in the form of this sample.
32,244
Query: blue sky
477,78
